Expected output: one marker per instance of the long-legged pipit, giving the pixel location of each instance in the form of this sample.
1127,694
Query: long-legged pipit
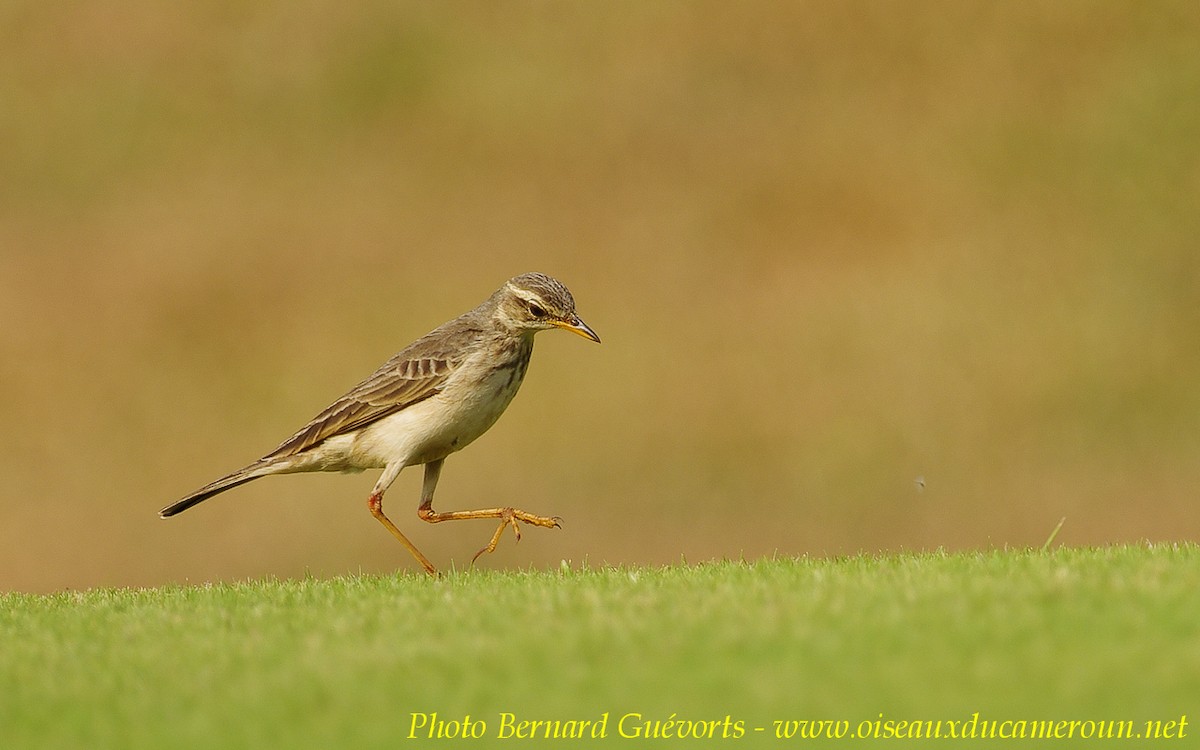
431,399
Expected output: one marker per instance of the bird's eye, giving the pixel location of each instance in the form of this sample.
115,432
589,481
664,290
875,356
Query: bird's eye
536,310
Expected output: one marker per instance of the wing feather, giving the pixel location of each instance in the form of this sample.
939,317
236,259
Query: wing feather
416,373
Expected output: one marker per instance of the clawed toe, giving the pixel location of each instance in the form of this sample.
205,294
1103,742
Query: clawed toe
513,517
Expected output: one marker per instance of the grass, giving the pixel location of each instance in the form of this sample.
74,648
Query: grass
1089,634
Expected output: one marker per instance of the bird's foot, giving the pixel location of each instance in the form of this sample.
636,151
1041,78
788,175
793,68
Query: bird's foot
510,517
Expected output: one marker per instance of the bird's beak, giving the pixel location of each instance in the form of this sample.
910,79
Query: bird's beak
576,325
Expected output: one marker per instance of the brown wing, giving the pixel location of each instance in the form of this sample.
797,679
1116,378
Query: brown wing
416,373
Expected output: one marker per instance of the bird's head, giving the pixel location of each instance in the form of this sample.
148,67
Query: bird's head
535,302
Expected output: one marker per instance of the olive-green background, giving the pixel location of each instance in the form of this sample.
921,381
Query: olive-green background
870,275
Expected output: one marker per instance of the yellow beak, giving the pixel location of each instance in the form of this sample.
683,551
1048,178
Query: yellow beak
576,325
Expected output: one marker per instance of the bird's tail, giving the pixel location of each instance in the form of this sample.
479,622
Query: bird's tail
239,477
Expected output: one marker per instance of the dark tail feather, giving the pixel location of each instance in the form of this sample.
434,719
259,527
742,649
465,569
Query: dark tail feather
239,477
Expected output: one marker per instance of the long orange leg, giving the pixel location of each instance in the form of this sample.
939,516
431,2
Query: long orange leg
508,516
375,504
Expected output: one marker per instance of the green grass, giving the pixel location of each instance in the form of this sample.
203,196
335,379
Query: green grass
1090,634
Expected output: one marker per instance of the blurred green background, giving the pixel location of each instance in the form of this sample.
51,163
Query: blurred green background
870,276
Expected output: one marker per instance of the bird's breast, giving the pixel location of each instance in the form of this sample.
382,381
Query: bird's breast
472,405
470,402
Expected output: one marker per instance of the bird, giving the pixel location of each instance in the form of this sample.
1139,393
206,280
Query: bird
433,398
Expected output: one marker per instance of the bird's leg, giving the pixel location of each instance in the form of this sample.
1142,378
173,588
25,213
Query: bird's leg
508,516
375,504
